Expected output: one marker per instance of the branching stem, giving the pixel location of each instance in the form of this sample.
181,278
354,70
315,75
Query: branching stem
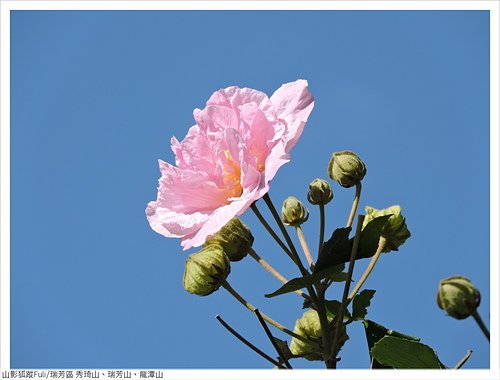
268,319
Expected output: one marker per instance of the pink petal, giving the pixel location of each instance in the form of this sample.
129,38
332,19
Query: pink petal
293,103
172,224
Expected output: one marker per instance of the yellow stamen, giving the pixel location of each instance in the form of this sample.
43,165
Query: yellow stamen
232,176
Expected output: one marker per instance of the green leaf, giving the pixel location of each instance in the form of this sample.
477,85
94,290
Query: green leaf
335,251
291,286
330,271
338,277
370,236
332,309
401,353
375,332
360,303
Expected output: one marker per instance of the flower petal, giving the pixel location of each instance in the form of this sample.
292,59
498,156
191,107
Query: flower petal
293,103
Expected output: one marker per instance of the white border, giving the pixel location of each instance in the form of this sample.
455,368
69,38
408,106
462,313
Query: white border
491,5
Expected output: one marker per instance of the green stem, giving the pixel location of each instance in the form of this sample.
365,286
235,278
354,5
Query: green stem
481,325
270,230
295,256
355,203
268,319
368,270
247,343
321,227
305,247
273,271
463,360
343,304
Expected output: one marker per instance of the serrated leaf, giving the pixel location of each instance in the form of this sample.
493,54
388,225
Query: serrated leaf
335,250
360,303
291,286
401,353
370,236
375,332
318,276
332,309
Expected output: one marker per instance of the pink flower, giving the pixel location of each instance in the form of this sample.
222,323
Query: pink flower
224,164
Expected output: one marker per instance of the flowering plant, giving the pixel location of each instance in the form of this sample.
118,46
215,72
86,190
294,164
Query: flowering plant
224,166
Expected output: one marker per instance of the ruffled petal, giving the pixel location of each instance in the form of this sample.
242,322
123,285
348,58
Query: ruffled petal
293,103
172,224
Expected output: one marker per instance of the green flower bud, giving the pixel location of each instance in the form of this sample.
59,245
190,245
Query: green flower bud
293,212
346,168
395,230
458,297
320,192
206,270
235,239
309,326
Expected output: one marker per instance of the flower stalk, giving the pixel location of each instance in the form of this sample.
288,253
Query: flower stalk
481,324
268,319
305,247
340,317
355,204
273,271
368,270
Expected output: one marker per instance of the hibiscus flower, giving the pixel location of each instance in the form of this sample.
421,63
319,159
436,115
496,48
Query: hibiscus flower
225,162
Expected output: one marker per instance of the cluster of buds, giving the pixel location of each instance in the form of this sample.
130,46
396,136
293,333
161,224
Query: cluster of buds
395,230
207,270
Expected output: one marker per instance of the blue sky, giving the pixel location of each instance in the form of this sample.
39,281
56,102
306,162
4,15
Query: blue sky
95,99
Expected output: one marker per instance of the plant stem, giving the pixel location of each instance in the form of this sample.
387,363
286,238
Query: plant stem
270,230
320,307
321,227
305,248
481,325
343,305
271,338
273,271
295,256
355,203
368,270
463,360
247,343
268,319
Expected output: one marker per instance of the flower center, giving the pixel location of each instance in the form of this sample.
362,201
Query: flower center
232,176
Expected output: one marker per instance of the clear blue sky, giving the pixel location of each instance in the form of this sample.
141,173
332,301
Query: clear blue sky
95,99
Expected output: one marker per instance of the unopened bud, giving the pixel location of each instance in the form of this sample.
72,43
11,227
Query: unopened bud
206,270
309,327
235,239
320,192
458,297
346,168
293,212
395,230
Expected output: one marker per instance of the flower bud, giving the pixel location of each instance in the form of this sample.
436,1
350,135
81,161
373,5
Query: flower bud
309,326
395,230
293,212
458,297
235,239
320,192
346,168
206,270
